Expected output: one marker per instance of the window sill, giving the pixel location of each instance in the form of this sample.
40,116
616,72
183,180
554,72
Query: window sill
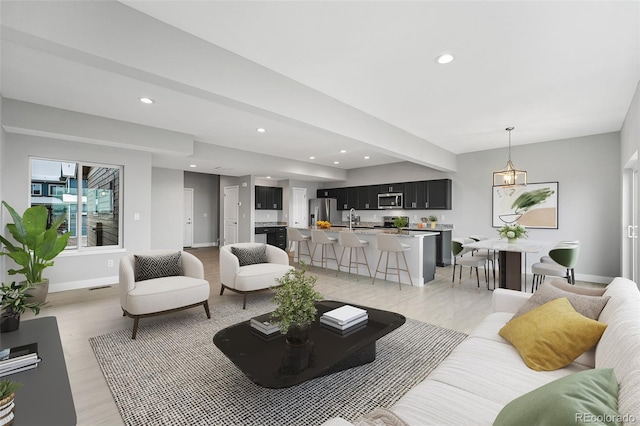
91,252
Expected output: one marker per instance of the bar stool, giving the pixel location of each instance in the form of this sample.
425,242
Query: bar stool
319,237
296,236
348,239
391,244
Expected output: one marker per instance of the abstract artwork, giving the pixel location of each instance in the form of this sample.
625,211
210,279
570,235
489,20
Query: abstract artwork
533,206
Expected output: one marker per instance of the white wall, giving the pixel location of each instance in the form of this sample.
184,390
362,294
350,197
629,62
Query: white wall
587,170
167,197
206,207
75,270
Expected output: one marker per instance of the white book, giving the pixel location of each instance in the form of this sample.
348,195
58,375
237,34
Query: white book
345,326
344,314
17,370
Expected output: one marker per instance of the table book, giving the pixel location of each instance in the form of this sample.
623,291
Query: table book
264,324
18,358
344,314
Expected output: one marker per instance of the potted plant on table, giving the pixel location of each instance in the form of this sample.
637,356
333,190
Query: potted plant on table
512,231
14,301
296,310
7,395
35,247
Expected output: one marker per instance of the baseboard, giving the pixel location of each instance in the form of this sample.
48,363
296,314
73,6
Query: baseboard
200,245
75,285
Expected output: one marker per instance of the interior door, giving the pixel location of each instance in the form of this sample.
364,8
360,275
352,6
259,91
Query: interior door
300,208
630,249
187,218
230,215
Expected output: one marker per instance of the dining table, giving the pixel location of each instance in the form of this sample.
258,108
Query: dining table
510,257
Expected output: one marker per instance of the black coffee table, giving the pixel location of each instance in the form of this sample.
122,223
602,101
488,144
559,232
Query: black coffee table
270,362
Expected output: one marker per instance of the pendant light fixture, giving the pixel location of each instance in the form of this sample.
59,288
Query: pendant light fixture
509,176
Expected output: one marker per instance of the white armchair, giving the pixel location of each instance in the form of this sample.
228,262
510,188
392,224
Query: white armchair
152,287
251,277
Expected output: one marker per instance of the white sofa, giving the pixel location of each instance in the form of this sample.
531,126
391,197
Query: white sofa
162,294
485,372
255,277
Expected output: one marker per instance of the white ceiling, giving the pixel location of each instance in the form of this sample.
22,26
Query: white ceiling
324,76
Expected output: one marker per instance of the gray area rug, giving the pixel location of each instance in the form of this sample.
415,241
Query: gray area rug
173,374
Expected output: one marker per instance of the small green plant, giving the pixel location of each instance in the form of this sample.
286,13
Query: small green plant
400,222
14,299
432,218
296,299
7,387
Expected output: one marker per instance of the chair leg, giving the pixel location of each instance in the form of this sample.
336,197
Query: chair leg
315,246
377,268
244,301
221,289
366,261
206,308
406,265
386,268
398,270
340,262
135,327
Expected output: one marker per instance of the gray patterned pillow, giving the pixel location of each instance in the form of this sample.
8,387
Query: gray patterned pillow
250,256
158,266
589,306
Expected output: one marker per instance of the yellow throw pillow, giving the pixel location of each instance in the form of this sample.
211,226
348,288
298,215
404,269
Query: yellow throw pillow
553,335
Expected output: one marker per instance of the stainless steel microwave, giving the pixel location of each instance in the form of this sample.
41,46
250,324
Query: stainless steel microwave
390,201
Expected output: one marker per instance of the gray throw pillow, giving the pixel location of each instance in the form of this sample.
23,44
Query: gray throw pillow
589,306
157,266
251,255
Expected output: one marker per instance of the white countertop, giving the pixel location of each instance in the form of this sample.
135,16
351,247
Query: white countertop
375,231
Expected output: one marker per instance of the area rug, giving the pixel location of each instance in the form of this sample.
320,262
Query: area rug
173,374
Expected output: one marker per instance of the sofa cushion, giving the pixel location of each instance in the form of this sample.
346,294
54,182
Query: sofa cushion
572,288
553,335
259,276
166,293
589,306
250,255
157,266
578,399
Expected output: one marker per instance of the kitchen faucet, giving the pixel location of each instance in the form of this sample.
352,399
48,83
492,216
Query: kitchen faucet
352,218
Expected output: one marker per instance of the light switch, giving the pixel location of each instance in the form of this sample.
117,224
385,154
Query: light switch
136,216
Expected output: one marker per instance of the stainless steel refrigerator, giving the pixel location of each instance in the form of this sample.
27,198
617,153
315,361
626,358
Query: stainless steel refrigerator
324,209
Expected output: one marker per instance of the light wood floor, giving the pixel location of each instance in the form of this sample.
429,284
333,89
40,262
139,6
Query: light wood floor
82,314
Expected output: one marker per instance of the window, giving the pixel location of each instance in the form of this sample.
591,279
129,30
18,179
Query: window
36,189
87,195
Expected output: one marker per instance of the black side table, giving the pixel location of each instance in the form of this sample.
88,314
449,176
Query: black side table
45,396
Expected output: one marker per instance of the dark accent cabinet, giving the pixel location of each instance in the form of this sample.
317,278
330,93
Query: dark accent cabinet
367,197
439,194
443,248
276,235
268,198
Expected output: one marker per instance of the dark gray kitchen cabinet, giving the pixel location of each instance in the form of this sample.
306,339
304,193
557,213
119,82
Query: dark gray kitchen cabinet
439,194
268,198
327,193
367,197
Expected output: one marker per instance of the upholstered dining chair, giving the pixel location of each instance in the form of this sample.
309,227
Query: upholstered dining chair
563,259
490,255
460,258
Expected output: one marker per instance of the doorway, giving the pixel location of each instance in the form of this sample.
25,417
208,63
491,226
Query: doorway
300,208
630,248
230,215
187,218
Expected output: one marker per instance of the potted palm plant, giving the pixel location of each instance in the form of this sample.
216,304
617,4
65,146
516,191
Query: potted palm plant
14,301
7,395
296,298
35,247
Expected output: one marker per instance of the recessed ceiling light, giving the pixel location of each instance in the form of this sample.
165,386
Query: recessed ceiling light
312,158
146,100
336,162
342,151
261,130
366,157
445,58
268,177
192,165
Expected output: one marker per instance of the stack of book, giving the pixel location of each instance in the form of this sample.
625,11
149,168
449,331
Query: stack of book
345,319
264,324
19,358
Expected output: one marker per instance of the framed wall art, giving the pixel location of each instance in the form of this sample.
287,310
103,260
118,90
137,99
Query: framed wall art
533,206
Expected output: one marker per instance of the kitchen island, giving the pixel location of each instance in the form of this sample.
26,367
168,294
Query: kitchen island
421,257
